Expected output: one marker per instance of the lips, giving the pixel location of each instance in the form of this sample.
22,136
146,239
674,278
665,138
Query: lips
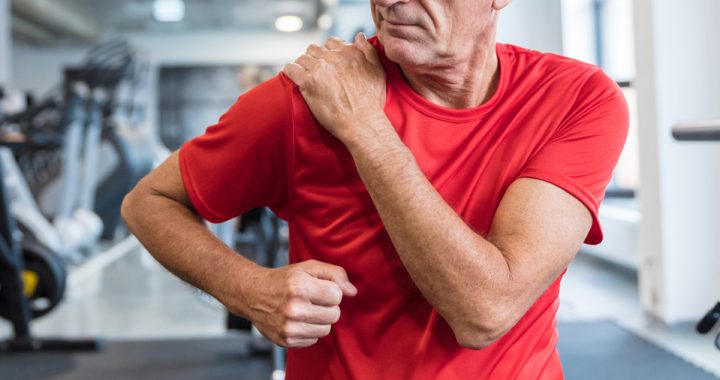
398,23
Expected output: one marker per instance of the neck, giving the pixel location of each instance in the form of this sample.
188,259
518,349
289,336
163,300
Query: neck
457,82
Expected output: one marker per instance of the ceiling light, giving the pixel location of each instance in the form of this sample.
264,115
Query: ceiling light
325,21
288,23
168,10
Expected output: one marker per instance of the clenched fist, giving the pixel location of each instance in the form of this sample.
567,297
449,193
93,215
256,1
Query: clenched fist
295,305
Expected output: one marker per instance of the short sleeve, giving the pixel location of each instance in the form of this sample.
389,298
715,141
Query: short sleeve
243,161
581,155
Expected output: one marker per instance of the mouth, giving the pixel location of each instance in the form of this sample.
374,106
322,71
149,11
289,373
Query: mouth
397,23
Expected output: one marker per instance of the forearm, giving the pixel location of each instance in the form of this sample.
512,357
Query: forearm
178,239
464,276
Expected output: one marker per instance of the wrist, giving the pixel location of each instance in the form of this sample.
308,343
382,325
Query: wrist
237,292
368,131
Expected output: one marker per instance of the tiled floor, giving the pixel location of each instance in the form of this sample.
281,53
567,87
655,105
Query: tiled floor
135,298
594,289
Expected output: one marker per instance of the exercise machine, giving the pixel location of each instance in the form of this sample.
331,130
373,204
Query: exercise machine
32,283
263,237
73,228
28,276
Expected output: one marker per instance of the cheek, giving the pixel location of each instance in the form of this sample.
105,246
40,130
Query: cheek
374,15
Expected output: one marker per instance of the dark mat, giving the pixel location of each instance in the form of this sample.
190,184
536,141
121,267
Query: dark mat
604,350
589,351
213,358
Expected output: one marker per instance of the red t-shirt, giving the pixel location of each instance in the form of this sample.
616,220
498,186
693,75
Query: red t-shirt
551,118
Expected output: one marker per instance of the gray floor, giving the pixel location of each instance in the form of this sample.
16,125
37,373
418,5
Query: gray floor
593,289
135,298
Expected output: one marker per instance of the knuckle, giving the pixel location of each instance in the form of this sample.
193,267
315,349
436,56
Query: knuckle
356,52
292,310
296,289
291,343
287,331
316,76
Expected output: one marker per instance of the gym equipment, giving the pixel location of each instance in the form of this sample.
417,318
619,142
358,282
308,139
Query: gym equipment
43,277
697,131
73,228
708,322
24,285
702,131
79,183
119,76
43,273
262,237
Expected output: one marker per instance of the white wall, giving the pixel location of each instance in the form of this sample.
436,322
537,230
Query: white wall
678,53
349,18
5,42
223,48
38,69
534,24
579,30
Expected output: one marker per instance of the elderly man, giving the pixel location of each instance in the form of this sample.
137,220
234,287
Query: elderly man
436,185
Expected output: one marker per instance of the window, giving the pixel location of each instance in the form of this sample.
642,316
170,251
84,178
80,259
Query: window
601,32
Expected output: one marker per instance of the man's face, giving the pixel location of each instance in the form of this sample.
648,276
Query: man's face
423,32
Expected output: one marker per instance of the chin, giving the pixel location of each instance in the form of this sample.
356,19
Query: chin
404,51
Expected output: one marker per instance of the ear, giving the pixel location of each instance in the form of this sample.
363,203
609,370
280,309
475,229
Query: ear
500,4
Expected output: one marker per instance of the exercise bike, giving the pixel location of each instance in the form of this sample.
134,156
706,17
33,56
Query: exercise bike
73,229
32,281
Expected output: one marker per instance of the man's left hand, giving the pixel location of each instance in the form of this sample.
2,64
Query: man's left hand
344,86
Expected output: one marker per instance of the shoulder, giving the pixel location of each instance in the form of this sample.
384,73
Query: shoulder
275,101
568,79
549,69
278,91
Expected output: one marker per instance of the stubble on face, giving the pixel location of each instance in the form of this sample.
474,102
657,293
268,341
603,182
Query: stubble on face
426,33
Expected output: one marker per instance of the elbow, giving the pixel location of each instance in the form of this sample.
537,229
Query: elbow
127,208
476,339
480,332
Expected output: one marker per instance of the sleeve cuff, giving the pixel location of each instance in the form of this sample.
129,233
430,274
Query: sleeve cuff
200,206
